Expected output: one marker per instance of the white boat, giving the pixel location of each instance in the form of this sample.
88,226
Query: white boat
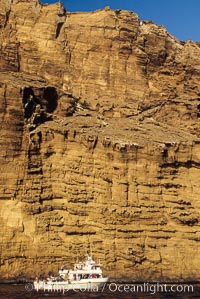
85,276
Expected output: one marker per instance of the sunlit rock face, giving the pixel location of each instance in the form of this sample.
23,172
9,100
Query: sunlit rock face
99,146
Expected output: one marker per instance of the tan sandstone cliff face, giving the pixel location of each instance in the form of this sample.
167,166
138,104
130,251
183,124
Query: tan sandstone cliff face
109,160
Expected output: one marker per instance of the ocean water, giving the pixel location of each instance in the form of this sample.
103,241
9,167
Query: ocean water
111,291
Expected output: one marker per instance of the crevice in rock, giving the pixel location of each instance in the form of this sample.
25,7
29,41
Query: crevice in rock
18,57
4,107
58,29
7,14
188,164
198,113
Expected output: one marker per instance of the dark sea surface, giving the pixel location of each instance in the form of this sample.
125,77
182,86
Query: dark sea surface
25,291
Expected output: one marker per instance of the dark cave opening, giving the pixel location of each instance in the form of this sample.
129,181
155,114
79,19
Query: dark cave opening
51,97
38,104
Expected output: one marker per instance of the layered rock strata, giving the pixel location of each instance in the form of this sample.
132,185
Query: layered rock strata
99,145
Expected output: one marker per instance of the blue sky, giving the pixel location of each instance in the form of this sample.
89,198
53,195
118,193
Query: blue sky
180,17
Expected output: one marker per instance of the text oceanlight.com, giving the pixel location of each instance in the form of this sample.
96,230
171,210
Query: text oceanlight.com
151,288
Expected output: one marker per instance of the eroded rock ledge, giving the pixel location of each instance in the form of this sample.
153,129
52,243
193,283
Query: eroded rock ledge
99,146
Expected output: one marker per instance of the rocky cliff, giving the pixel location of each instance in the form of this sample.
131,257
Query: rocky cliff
99,144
